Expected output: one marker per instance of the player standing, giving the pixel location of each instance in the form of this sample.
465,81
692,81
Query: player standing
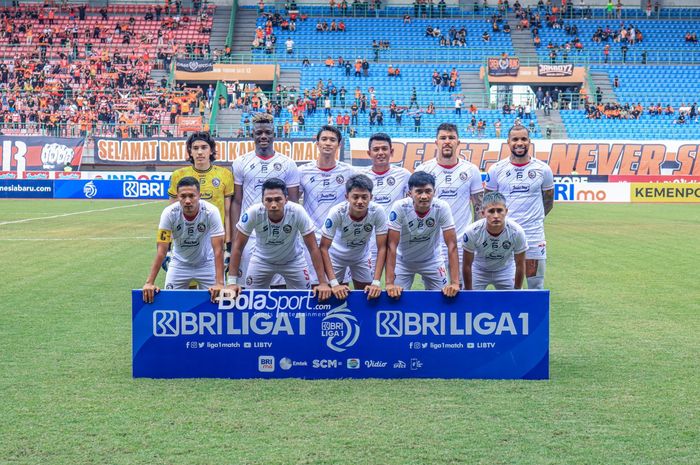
346,238
323,183
494,248
250,172
528,185
390,181
278,224
416,226
194,228
457,181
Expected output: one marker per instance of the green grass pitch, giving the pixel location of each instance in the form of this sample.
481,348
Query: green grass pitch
625,360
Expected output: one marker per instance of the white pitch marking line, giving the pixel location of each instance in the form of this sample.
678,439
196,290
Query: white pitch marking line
26,220
139,238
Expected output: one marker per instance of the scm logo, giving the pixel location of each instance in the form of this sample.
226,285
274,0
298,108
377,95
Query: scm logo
324,363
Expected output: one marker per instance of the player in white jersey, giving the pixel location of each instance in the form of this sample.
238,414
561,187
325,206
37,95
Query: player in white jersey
494,248
416,227
250,172
528,185
322,183
195,229
278,224
457,181
346,239
390,181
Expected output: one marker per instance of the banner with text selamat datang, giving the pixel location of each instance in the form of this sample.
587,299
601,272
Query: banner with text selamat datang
289,334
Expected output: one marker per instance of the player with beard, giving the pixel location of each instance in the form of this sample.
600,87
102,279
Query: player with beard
457,181
250,172
528,185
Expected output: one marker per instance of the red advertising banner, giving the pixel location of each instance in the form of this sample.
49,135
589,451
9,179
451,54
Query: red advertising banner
40,154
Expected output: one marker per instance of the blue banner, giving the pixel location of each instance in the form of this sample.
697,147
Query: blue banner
110,189
26,189
289,334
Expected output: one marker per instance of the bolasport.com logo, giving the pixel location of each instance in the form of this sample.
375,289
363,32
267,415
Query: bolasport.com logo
340,328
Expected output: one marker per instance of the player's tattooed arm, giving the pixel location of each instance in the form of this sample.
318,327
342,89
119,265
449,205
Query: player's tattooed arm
548,200
477,201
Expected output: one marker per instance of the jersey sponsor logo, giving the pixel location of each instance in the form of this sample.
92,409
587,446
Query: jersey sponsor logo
328,223
327,197
287,228
465,238
448,193
244,218
382,199
392,216
519,188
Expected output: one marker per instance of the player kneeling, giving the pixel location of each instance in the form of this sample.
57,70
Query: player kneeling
346,235
277,224
494,248
414,247
195,229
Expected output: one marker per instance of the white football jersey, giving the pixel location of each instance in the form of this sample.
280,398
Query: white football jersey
522,187
277,243
351,237
494,253
390,186
455,185
251,171
421,236
323,189
192,239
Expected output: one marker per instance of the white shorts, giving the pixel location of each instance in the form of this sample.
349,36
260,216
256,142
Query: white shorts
245,260
361,270
501,279
179,276
433,273
261,273
538,251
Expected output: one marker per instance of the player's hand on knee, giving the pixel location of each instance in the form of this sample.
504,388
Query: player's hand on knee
149,291
450,290
232,290
340,291
373,291
394,291
323,292
214,292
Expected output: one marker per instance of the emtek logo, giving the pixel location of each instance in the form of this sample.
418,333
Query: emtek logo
135,189
166,323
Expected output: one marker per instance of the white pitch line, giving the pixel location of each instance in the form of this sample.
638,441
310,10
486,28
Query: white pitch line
26,220
133,238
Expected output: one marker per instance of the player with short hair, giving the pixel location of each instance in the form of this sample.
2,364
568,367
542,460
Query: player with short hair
457,181
415,227
194,228
322,184
528,185
390,181
346,237
278,224
494,248
250,172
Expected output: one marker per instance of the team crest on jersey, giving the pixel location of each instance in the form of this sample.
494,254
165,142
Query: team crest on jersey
532,174
249,280
201,227
430,222
244,218
287,228
368,227
390,180
463,176
506,245
328,223
340,179
277,167
216,182
169,286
